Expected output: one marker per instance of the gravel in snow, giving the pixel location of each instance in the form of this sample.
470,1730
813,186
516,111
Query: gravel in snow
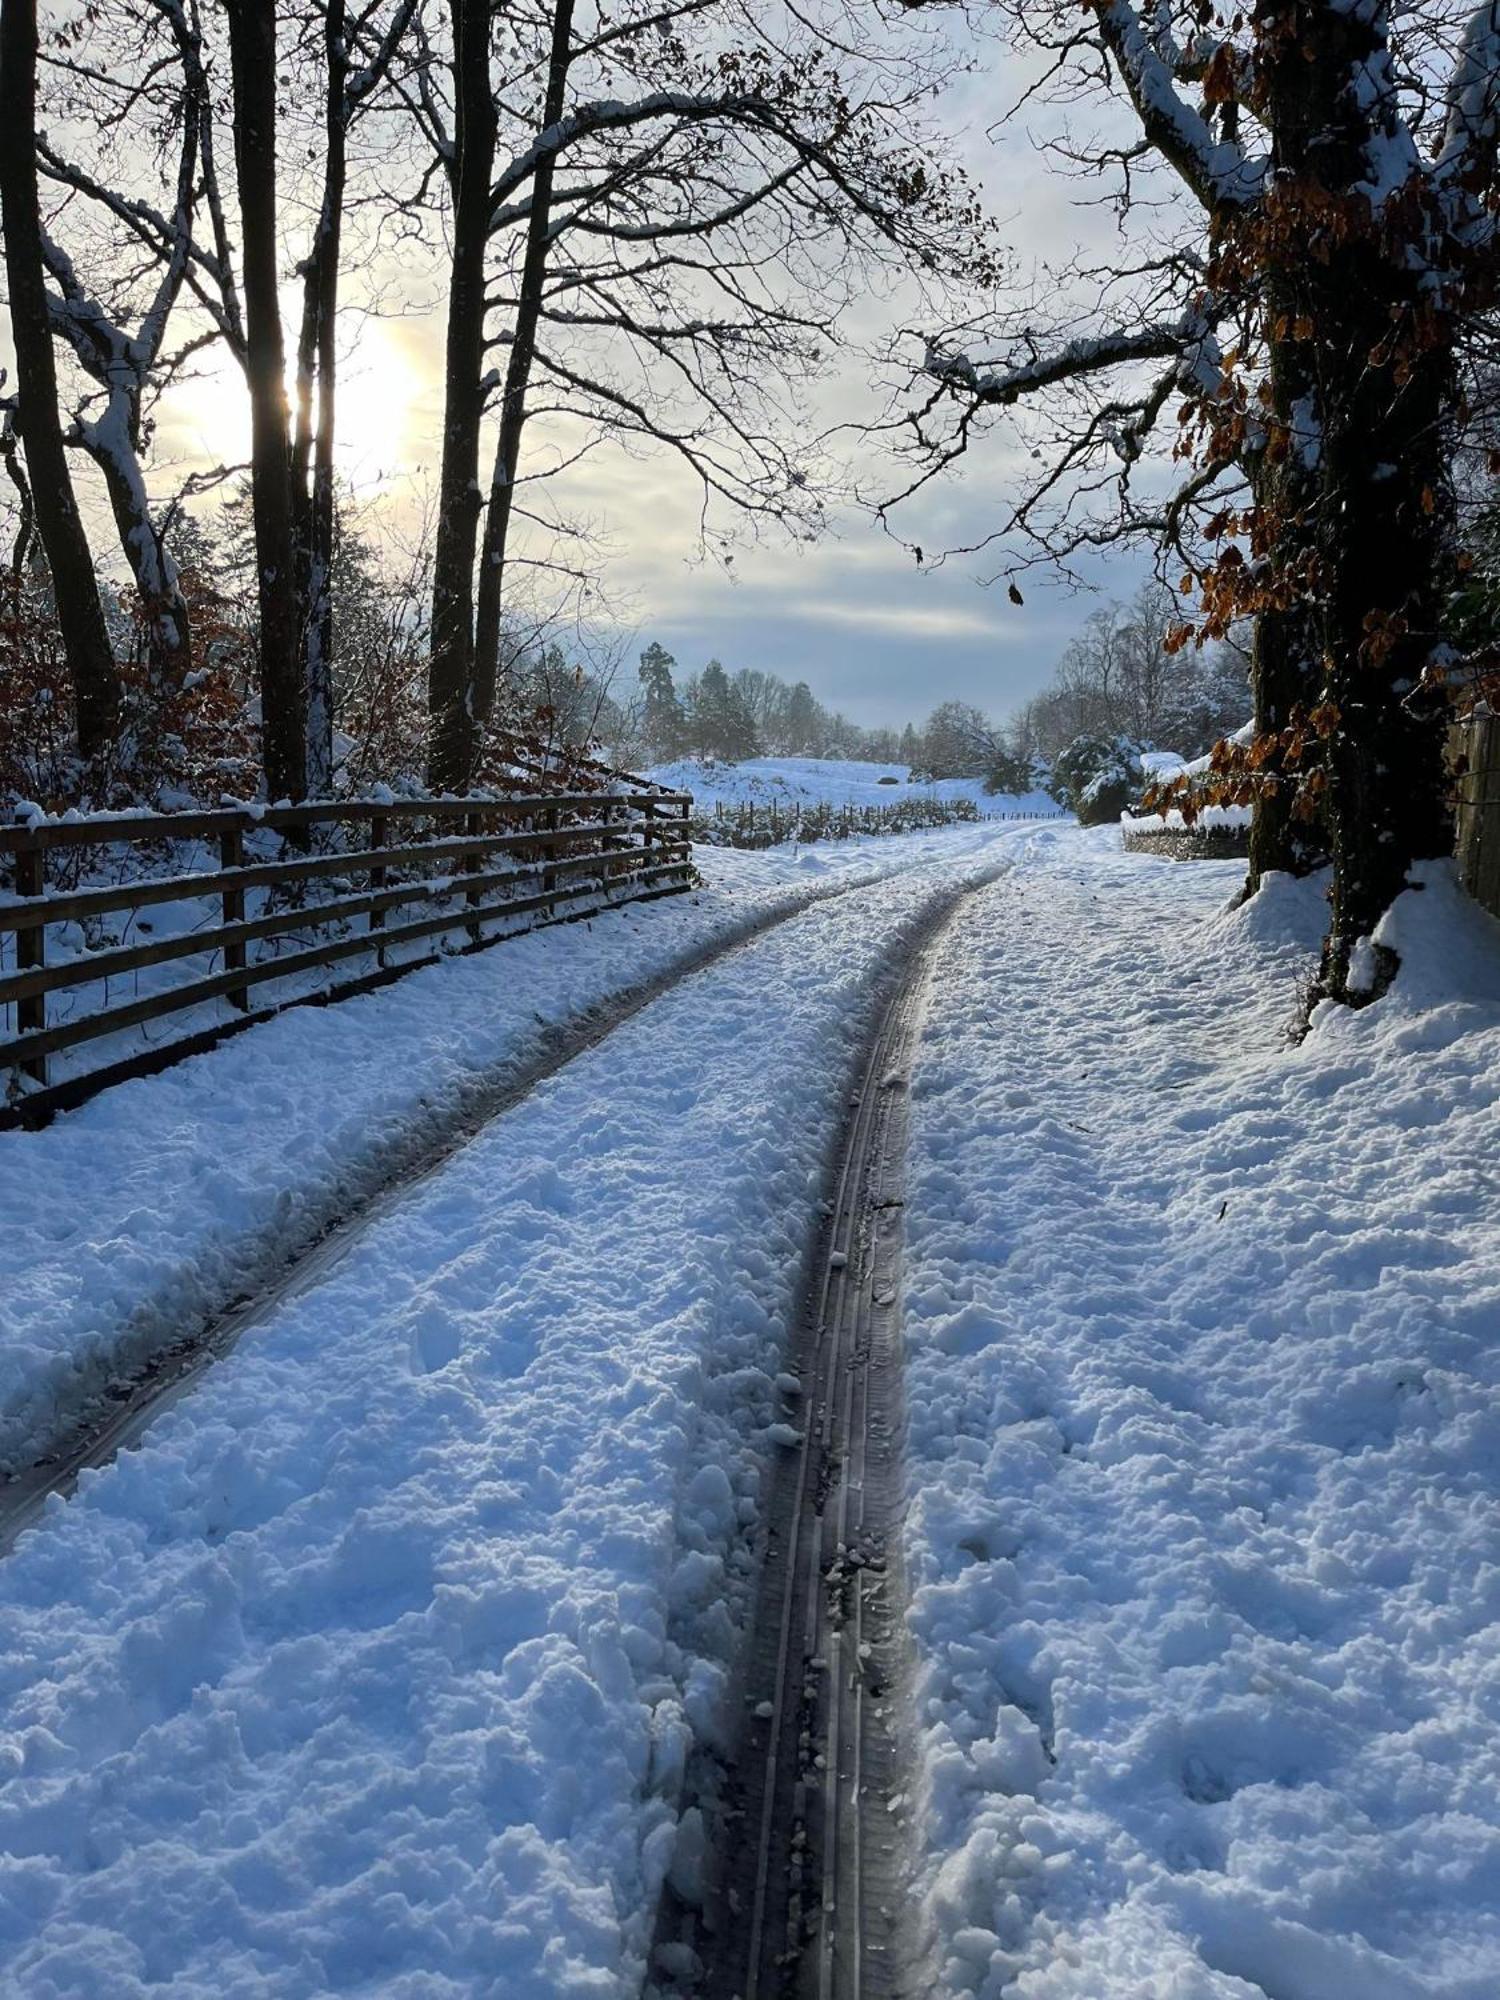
374,1669
1205,1446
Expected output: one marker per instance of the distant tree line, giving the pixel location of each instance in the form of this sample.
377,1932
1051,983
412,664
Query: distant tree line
1121,679
1123,675
751,713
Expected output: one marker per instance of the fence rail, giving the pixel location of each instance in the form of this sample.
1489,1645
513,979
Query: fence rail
483,867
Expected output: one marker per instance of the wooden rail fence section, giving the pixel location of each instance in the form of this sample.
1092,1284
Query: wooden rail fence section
486,868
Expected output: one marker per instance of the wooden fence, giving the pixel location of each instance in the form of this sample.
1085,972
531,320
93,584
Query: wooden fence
483,868
1474,749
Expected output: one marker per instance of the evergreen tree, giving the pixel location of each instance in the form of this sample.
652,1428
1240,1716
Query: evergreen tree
719,724
662,722
804,722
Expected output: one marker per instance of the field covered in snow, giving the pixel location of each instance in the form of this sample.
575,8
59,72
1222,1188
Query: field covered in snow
834,781
1205,1446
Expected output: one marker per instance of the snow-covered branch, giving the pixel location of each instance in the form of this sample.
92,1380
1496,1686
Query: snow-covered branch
1218,171
1471,129
1187,340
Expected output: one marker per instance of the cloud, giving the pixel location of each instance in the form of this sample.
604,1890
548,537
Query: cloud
910,621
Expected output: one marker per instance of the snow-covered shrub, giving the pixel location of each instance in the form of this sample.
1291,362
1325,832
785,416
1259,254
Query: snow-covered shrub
1097,777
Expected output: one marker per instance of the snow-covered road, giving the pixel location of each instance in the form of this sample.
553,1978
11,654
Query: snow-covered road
1204,1446
375,1667
140,1217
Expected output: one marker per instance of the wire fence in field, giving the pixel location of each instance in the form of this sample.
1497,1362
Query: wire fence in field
768,825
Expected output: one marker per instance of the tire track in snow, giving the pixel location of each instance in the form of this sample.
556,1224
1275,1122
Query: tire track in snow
810,1897
93,1432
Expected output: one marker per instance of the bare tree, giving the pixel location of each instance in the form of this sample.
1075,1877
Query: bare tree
113,314
671,228
312,69
80,616
1302,316
253,68
358,50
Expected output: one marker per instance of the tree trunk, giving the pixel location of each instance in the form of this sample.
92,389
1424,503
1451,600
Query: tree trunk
80,616
454,738
312,459
1283,663
1388,513
1369,395
164,612
518,378
252,50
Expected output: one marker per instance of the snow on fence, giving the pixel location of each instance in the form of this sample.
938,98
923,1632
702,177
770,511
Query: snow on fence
297,890
1475,750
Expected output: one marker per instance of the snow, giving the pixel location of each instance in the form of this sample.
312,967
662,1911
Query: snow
1204,1452
834,781
155,1205
1207,819
375,1668
378,1665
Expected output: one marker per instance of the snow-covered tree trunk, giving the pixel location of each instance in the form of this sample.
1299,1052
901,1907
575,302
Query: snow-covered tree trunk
80,616
109,441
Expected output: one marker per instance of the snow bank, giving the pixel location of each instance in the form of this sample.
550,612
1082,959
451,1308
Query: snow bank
156,1205
1205,1452
375,1667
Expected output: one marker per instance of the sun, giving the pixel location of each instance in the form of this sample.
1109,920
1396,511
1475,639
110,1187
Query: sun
204,420
376,390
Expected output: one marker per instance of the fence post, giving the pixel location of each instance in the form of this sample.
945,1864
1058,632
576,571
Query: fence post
473,825
232,855
1477,821
644,825
31,950
379,835
550,822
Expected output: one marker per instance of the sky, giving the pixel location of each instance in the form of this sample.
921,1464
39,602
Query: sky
853,614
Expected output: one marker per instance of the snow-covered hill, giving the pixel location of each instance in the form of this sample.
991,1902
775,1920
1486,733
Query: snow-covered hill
835,781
